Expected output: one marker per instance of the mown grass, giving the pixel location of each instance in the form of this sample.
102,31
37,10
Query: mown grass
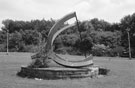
122,74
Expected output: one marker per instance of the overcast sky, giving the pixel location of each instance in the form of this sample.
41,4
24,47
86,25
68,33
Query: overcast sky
109,10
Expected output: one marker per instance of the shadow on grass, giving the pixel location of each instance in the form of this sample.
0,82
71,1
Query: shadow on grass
103,71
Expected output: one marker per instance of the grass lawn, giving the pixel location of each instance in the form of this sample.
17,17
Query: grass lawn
122,74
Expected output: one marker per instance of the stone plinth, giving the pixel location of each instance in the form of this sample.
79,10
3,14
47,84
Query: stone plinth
58,73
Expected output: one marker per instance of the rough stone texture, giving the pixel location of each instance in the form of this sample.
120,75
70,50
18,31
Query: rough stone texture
58,73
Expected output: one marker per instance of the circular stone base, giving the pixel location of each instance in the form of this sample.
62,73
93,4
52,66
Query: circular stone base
57,73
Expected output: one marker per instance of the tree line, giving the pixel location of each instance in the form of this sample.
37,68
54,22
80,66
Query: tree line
95,36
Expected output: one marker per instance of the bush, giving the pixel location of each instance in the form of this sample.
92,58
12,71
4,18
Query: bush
31,48
100,50
2,47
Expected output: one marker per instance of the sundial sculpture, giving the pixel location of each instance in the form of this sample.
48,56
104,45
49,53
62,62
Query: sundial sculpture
49,65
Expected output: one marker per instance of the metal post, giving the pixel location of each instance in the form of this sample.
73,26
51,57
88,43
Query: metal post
7,42
129,45
78,27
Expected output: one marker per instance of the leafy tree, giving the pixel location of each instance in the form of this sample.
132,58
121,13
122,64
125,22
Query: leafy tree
15,41
100,25
100,50
107,38
128,22
91,32
31,37
8,25
114,27
84,45
2,37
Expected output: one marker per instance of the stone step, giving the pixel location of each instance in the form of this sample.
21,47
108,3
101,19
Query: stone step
57,73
